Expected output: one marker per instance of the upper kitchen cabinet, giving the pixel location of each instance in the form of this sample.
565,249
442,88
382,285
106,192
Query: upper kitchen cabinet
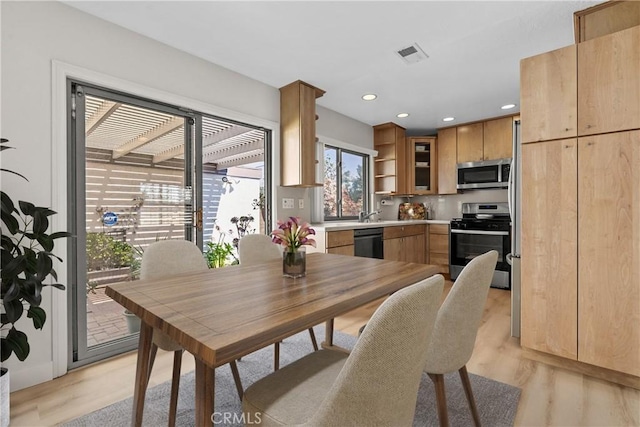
298,134
606,18
470,143
498,138
422,156
447,158
390,164
548,95
609,83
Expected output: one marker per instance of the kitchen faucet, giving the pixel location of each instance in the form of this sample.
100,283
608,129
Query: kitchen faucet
362,216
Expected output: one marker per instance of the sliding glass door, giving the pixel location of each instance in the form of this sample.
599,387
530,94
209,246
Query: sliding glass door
143,171
132,178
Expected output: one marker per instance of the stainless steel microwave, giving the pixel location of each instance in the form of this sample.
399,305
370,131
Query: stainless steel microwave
486,174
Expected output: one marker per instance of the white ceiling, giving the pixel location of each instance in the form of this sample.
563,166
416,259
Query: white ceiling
348,48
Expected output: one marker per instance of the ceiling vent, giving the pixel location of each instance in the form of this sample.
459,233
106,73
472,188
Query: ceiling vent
412,54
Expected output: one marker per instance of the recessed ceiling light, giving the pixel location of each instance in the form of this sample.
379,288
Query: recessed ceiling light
369,96
403,115
508,106
448,119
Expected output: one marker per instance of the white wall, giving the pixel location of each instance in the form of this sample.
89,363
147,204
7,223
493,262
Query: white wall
33,34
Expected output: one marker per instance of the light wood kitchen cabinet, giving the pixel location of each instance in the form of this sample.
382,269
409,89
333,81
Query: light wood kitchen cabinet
581,203
340,242
405,243
298,134
470,142
609,83
498,138
447,158
439,246
549,244
548,95
422,164
581,249
390,165
609,251
606,18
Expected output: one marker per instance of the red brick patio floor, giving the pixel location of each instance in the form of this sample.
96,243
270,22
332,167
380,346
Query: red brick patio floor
105,318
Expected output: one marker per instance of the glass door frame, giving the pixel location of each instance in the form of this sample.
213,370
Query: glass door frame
78,352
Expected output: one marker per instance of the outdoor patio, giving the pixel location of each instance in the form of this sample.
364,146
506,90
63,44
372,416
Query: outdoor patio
105,318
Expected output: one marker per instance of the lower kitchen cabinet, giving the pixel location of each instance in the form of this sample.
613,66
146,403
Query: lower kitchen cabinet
405,243
581,249
340,242
439,246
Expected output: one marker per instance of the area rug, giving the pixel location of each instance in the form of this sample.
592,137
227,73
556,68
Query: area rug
497,402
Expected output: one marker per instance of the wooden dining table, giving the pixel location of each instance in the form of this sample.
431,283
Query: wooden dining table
223,314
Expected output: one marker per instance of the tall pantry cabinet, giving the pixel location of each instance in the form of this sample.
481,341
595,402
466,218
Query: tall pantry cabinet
581,202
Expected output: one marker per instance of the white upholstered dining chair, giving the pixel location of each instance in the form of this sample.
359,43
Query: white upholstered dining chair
376,384
258,248
170,258
456,327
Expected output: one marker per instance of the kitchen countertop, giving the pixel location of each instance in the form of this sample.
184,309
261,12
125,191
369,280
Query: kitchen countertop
350,225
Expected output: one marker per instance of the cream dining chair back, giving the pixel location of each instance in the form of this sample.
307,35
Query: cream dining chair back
454,334
258,248
375,385
170,258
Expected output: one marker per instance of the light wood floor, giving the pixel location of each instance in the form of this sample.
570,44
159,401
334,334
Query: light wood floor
550,396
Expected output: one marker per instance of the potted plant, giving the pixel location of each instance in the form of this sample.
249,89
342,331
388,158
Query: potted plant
27,263
293,235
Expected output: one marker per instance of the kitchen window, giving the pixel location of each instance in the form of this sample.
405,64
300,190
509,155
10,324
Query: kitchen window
346,178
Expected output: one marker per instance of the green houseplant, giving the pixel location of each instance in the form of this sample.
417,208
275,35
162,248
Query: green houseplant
27,263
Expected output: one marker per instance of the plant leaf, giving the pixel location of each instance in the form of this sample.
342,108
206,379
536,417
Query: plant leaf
19,343
44,265
57,286
13,268
7,244
40,222
11,293
31,261
31,290
5,349
38,315
13,310
26,207
59,235
7,203
46,242
15,173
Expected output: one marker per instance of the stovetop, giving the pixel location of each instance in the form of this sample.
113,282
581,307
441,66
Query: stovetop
483,216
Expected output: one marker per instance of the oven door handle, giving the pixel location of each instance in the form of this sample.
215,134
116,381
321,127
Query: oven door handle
482,232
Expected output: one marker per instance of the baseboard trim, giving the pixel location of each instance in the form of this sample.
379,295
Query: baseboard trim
616,377
31,375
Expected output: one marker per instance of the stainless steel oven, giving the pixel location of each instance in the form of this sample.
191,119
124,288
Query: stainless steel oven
483,227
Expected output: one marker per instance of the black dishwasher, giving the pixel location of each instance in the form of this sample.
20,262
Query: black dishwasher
368,242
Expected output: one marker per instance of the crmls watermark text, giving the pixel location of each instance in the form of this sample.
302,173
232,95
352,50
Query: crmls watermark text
222,418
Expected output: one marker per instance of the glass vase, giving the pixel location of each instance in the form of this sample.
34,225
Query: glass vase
294,264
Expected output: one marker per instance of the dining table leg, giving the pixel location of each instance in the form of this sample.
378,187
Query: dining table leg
328,334
142,373
205,392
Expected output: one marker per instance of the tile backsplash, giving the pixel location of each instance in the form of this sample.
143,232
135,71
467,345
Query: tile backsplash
442,207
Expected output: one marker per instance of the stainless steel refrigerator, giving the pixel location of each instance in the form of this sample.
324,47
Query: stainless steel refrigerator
515,192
